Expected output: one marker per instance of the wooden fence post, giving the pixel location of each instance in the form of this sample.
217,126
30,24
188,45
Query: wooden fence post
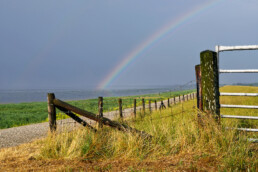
168,103
210,83
183,98
150,106
179,98
174,100
51,111
120,108
134,107
100,111
143,105
198,86
156,106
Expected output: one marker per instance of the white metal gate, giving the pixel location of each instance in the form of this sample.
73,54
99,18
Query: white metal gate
219,49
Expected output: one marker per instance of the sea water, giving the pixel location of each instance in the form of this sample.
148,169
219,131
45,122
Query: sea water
40,95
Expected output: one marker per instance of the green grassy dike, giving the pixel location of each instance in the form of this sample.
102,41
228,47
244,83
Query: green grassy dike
13,115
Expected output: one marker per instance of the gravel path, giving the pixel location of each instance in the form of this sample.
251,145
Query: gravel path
18,135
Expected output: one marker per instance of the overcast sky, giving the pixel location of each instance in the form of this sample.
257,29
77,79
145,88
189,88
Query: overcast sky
75,44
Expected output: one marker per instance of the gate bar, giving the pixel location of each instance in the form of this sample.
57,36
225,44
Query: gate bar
231,48
238,106
239,94
239,117
243,129
253,140
238,71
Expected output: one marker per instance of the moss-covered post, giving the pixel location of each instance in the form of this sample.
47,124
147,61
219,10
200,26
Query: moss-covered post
210,83
51,111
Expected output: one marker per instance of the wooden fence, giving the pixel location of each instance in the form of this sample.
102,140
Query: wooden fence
72,112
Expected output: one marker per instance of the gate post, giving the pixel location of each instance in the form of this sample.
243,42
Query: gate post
210,83
198,86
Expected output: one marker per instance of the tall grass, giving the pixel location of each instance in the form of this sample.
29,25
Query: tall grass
180,135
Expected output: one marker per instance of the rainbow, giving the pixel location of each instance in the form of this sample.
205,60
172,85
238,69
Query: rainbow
149,42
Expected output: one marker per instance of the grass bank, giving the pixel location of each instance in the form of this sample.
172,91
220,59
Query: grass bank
180,142
12,115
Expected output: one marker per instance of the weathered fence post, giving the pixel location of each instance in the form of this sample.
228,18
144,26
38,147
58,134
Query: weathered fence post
168,103
51,111
210,83
120,108
100,107
156,106
174,100
162,106
134,107
198,86
143,105
183,98
150,106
